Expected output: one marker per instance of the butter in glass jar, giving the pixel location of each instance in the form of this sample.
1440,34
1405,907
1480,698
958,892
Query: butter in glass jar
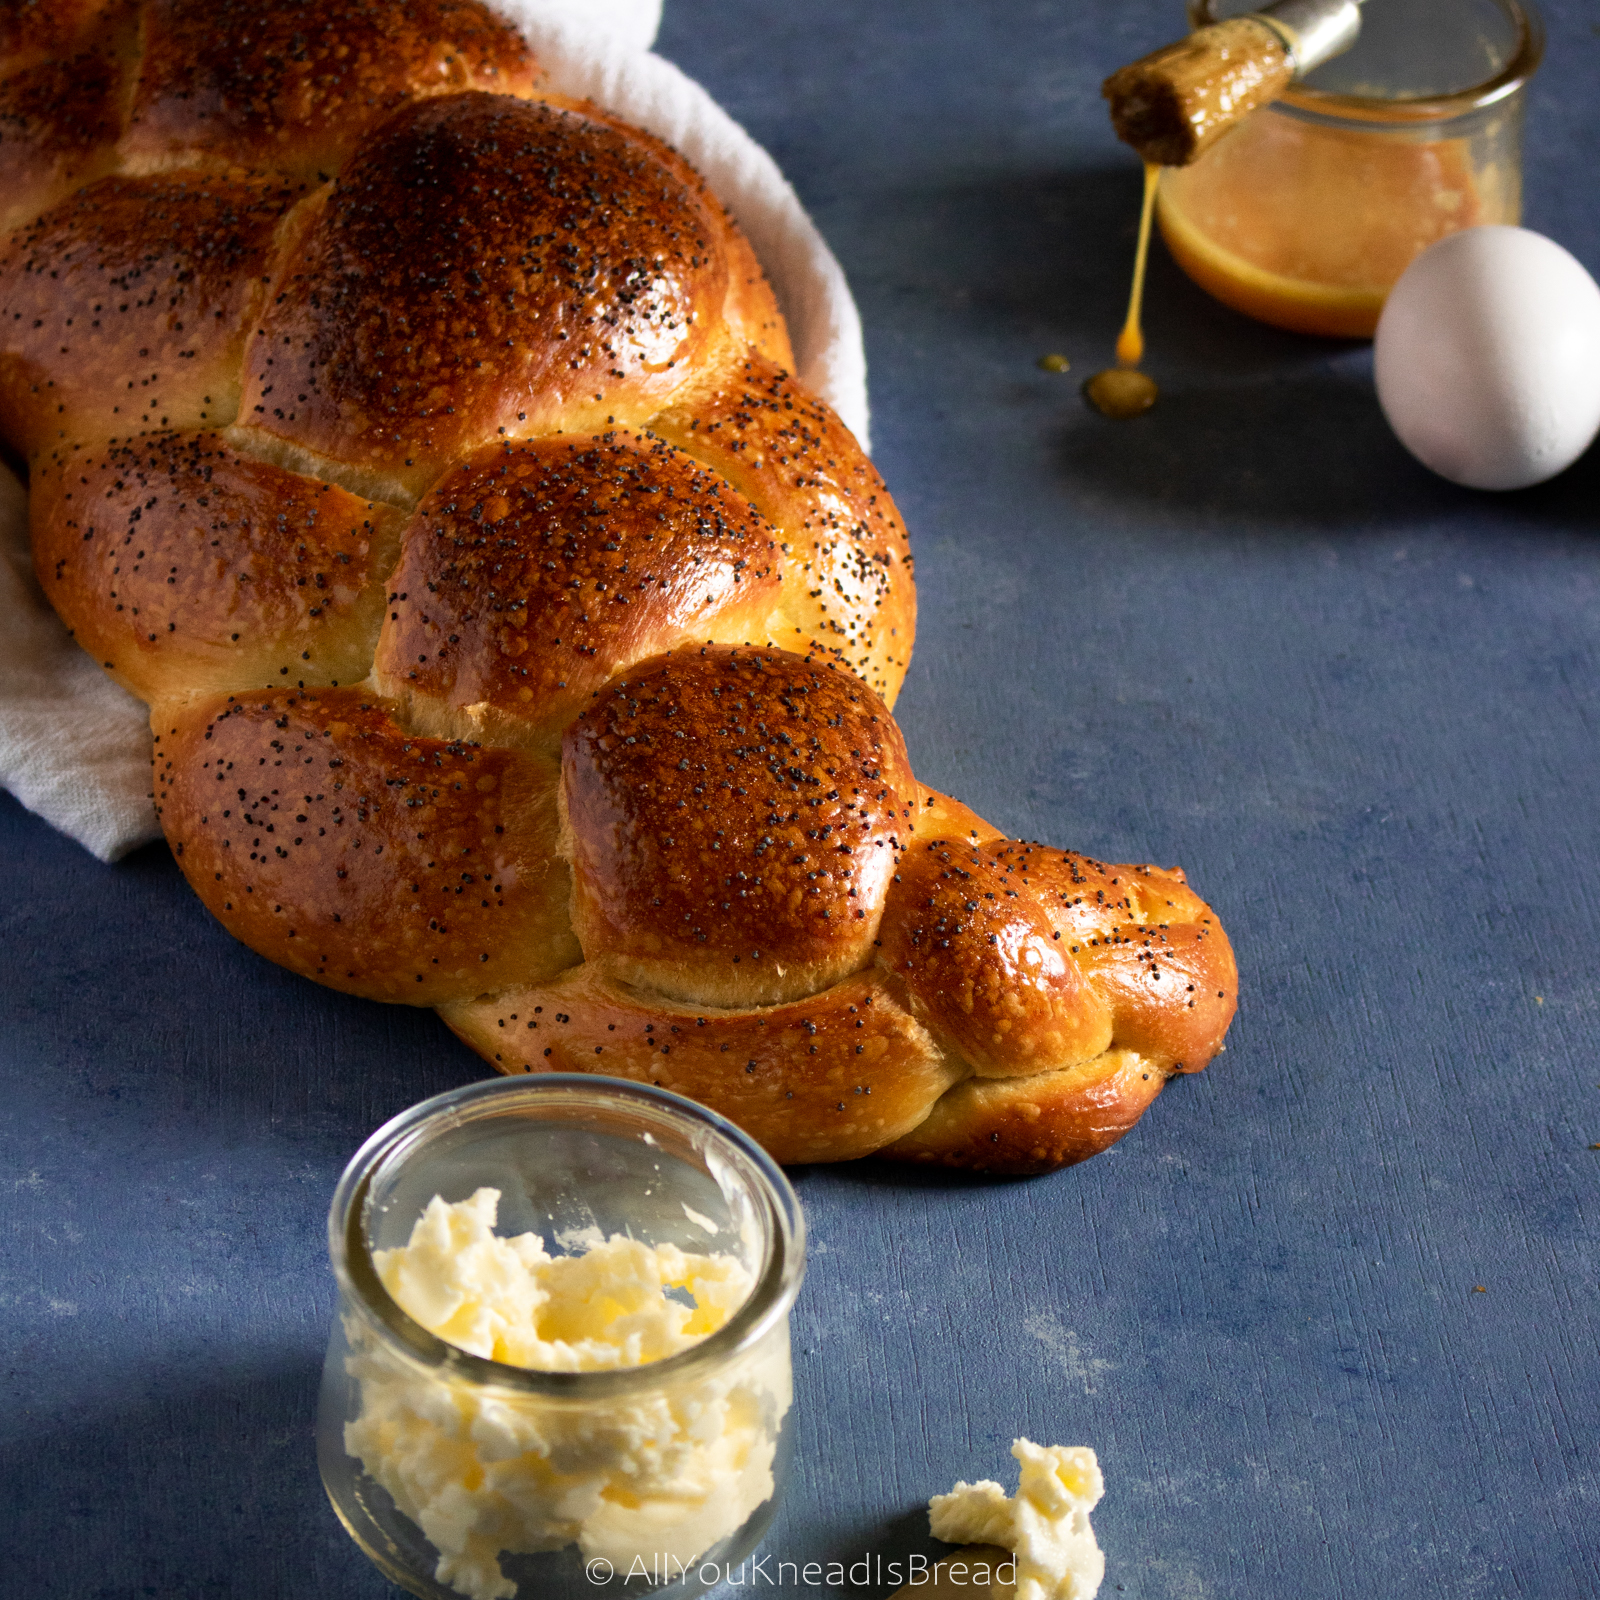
561,1361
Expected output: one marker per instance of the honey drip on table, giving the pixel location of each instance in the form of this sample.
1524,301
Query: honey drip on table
1124,391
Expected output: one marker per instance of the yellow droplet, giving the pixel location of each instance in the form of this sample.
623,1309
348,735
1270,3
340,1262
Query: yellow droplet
1120,391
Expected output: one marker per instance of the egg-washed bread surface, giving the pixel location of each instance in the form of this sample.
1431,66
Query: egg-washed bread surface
519,634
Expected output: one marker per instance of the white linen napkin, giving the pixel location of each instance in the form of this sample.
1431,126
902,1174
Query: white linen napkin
75,748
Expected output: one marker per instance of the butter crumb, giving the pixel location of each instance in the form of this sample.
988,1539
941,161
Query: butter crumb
1046,1524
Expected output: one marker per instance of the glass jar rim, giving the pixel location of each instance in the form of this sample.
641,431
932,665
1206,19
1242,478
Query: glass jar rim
774,1292
1526,54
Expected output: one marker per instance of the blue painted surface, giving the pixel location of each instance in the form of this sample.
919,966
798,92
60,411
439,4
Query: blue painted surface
1246,634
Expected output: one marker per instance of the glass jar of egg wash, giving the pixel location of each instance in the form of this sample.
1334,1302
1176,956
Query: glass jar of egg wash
1307,212
561,1363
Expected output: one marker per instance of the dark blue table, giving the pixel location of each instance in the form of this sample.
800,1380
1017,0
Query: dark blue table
1246,634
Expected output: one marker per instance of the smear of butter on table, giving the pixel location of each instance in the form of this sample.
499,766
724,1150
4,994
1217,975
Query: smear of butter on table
1046,1524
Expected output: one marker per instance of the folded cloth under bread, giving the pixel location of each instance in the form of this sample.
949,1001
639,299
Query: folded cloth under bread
75,747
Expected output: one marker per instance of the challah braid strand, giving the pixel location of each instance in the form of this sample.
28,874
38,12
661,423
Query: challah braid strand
519,635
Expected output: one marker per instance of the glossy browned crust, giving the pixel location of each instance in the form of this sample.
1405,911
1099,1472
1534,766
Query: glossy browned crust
484,266
729,834
184,567
797,461
751,309
41,30
734,819
125,308
292,87
386,865
1018,1127
1146,943
536,572
59,122
1150,946
961,1096
1153,949
1162,972
828,1078
983,965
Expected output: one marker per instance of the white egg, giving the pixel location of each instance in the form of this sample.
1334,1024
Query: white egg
1487,358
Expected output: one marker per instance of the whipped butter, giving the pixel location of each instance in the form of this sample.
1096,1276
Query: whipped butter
652,1479
1046,1523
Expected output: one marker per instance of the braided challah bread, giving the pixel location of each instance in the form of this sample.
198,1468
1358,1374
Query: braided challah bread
518,634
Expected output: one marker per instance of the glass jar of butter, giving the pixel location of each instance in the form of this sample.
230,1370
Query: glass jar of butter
635,1241
1307,213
